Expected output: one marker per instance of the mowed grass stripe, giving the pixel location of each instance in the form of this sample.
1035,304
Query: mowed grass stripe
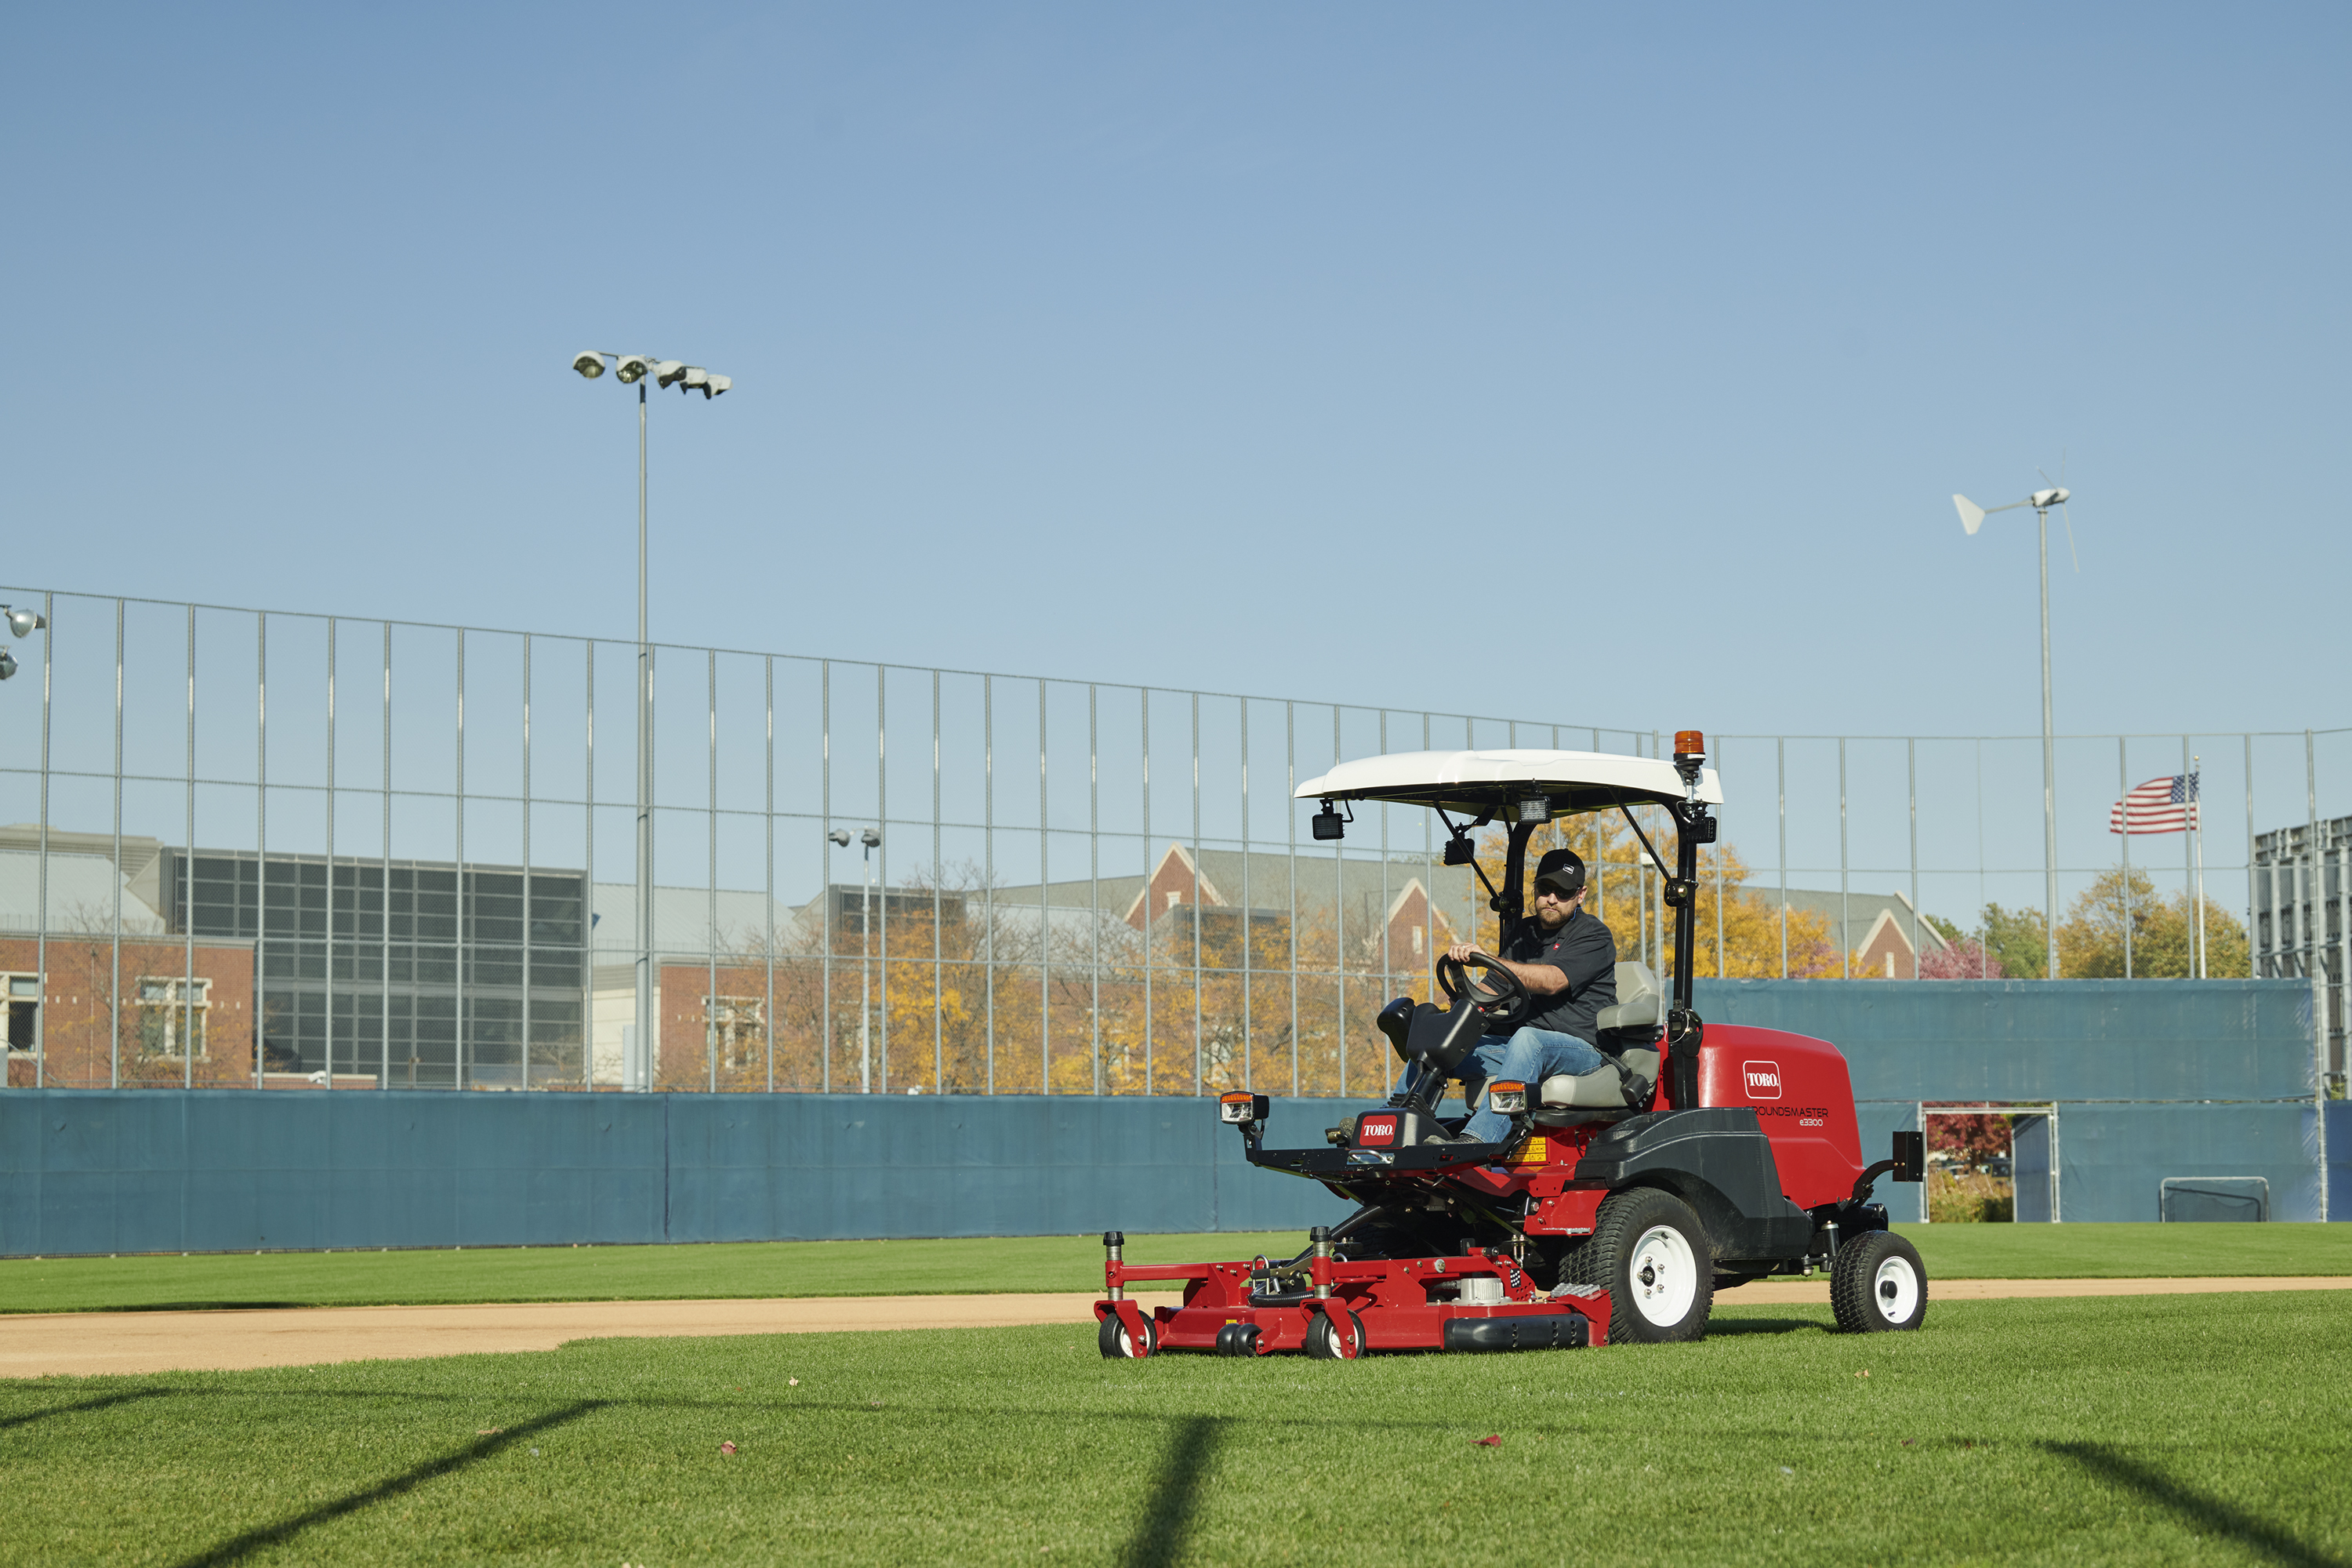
2181,1430
961,1265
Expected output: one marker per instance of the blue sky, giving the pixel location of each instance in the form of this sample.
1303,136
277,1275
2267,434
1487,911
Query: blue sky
1616,363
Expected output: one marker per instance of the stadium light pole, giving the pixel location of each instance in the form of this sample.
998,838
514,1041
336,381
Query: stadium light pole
1972,518
632,370
871,838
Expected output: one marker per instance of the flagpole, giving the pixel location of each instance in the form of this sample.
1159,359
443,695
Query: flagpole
2197,828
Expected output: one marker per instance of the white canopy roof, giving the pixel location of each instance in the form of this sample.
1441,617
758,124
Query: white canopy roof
1474,782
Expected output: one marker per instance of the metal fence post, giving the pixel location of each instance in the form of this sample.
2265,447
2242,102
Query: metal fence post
1781,761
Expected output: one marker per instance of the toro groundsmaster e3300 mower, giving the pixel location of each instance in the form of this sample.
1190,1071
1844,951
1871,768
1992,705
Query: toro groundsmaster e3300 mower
1697,1158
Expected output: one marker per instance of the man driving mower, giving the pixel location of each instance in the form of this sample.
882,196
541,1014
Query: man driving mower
1567,958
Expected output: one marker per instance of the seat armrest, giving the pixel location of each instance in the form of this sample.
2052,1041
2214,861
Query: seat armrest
1641,1012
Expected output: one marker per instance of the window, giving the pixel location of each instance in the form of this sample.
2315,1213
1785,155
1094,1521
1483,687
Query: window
736,1020
24,1006
171,1016
1174,894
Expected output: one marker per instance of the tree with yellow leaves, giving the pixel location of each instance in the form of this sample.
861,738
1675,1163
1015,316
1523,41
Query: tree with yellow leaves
2091,938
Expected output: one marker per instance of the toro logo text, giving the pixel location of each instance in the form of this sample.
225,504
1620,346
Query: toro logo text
1763,1079
1378,1130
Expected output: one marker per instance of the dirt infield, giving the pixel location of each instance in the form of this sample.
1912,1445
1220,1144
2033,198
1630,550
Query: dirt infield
81,1344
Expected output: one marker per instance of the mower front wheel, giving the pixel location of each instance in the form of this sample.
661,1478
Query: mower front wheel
1650,1253
1328,1339
1878,1283
1117,1344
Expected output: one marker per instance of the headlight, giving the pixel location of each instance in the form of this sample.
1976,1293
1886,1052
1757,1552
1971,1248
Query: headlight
1507,1097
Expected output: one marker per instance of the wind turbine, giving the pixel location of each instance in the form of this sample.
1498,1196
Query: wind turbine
1972,518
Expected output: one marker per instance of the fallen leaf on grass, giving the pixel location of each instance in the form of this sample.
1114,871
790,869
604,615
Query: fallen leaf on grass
792,1383
1910,1442
726,1448
1494,1442
1861,1375
487,1431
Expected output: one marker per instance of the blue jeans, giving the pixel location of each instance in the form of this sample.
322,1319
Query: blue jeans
1529,1055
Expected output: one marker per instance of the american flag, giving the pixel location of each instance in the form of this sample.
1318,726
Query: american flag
2159,806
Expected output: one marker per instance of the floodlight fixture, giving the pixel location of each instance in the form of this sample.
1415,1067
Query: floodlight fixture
7,664
1972,518
24,623
871,838
840,836
633,370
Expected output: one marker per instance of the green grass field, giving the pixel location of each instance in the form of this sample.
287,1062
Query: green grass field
2150,1429
1021,1263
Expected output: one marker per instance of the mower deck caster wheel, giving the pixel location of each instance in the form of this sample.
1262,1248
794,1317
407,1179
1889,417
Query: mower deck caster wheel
1328,1340
1118,1344
1878,1283
1237,1339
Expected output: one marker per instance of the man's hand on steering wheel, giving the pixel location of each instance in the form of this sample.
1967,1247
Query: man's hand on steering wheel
1492,989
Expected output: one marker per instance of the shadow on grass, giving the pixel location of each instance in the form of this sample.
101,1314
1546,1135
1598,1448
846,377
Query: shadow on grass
239,1304
268,1535
100,1403
2209,1515
1159,1535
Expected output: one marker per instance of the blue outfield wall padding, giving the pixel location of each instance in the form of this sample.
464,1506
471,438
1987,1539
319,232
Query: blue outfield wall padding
2339,1159
223,1171
215,1170
2113,1158
2036,1039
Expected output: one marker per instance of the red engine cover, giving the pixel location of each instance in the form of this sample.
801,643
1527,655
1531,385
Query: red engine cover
1802,1097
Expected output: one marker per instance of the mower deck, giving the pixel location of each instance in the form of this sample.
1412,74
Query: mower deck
1336,1310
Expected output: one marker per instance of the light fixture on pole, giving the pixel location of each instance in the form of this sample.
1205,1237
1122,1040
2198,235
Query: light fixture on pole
1972,518
631,370
23,623
871,838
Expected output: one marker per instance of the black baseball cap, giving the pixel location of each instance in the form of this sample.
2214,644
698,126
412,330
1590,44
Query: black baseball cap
1562,869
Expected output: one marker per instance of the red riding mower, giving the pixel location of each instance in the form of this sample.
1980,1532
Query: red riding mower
1696,1159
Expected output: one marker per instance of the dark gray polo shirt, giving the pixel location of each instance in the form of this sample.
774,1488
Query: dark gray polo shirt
1583,949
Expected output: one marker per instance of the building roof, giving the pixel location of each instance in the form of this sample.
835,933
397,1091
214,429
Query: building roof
1862,912
1264,879
82,889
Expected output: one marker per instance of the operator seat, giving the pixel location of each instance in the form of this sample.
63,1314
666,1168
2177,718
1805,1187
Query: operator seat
1629,1031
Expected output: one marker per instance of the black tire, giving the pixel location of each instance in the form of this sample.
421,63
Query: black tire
1643,1231
1117,1344
1324,1341
1878,1283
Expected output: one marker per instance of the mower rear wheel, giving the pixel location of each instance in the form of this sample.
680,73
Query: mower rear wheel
1878,1283
1650,1253
1118,1344
1328,1340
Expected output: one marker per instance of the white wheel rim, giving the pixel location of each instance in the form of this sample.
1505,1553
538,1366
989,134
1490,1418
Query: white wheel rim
1895,1290
1663,1276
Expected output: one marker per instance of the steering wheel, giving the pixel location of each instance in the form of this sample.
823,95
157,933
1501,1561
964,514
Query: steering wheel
1494,990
